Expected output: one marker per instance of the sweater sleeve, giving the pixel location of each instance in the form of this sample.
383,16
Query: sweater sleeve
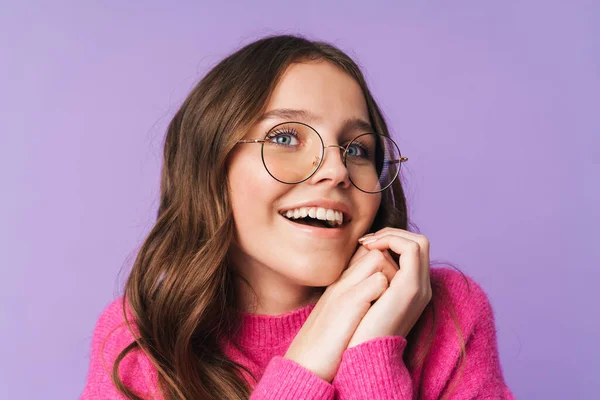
375,369
284,379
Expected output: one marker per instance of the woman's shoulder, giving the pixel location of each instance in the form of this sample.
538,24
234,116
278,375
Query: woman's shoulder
112,333
469,302
111,336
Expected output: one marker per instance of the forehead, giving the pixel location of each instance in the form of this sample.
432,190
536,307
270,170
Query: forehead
320,94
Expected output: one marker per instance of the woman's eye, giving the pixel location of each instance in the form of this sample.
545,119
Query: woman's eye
355,151
284,139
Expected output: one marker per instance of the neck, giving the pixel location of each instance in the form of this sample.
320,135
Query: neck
261,290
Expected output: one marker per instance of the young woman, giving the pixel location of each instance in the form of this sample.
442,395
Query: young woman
281,265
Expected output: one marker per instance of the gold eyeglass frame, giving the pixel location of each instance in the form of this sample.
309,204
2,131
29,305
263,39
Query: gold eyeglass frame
323,147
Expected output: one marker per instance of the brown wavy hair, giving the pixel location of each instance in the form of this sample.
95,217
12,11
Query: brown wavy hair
180,289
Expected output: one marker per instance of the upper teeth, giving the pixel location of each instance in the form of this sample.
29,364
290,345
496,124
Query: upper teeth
323,214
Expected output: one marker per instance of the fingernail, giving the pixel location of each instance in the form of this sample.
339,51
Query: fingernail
365,236
366,240
370,240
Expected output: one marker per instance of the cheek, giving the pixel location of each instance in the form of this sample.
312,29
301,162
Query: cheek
368,204
253,193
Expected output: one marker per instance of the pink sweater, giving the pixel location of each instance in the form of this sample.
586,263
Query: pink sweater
375,369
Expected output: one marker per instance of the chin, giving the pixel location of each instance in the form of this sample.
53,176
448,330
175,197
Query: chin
316,273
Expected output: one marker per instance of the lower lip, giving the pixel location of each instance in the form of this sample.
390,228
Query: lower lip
317,231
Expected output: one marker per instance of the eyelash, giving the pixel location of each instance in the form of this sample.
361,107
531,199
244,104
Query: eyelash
283,131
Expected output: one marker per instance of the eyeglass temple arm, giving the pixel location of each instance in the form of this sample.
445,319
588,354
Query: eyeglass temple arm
402,159
251,141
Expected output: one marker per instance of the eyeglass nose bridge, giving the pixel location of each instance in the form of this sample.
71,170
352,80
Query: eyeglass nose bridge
317,159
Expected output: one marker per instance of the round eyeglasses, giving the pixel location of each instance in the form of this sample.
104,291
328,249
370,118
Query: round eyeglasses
293,151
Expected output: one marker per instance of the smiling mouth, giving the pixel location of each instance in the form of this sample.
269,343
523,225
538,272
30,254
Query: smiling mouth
316,217
314,222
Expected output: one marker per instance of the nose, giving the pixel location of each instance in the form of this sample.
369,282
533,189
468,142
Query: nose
332,168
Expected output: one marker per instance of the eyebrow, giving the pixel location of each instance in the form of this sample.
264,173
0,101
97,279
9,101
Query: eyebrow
350,124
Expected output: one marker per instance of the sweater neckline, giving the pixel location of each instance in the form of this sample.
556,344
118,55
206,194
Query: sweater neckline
270,331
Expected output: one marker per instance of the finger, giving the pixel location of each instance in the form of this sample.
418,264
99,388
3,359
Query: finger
417,237
363,250
368,291
409,251
389,267
372,262
389,257
360,252
422,240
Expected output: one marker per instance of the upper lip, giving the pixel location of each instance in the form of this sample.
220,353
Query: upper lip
323,203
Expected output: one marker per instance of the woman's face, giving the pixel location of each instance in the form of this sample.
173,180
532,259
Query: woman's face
270,247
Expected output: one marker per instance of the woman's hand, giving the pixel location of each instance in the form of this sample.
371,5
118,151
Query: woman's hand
397,310
320,343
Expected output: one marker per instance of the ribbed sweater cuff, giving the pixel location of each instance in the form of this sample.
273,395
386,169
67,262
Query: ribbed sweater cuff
374,370
285,379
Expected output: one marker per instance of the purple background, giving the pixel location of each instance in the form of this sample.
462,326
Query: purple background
497,107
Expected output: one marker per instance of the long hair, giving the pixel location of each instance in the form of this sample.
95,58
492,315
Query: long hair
180,287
